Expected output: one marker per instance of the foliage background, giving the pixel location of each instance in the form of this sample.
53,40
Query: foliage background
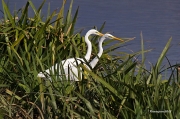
118,87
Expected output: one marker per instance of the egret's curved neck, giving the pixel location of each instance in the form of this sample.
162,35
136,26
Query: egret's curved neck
100,47
89,47
96,59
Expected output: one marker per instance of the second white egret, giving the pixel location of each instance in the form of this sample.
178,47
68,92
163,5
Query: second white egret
105,36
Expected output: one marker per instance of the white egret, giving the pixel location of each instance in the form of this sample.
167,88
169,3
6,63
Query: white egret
105,36
70,65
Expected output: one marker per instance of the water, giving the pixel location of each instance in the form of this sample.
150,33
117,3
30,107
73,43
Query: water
158,21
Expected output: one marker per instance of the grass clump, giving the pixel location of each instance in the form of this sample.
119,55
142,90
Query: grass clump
118,87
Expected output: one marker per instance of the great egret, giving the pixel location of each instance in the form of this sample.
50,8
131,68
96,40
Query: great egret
70,65
105,36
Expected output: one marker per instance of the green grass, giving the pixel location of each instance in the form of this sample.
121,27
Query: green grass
118,87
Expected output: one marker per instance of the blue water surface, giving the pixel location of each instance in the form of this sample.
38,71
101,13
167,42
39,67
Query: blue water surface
157,20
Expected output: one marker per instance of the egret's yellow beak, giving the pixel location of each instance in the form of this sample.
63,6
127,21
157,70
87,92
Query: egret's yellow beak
115,38
100,34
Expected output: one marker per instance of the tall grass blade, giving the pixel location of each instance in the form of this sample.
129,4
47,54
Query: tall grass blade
7,14
59,23
114,91
159,61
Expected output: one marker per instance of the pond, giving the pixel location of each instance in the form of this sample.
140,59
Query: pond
157,20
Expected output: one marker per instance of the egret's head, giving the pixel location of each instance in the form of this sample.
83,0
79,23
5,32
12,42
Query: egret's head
109,36
95,32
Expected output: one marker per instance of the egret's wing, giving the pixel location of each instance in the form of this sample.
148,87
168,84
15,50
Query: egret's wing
67,68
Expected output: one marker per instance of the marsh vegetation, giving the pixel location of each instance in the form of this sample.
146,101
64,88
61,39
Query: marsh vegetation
119,86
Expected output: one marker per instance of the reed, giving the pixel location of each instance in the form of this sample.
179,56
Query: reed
118,87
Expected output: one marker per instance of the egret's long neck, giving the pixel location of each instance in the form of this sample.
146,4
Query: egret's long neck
100,47
96,59
89,47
